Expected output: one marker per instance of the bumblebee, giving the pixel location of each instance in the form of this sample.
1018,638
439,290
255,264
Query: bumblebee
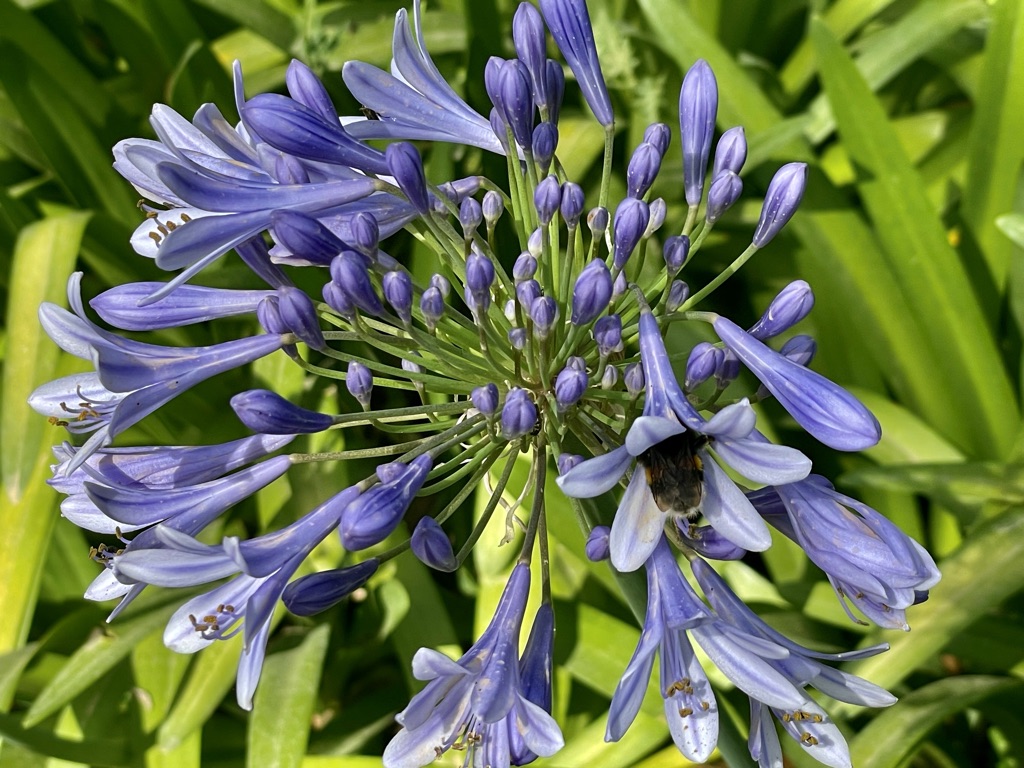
675,473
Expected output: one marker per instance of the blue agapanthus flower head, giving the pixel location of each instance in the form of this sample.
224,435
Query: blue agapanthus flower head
528,337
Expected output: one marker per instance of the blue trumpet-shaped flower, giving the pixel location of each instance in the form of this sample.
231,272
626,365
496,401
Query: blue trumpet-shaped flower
668,418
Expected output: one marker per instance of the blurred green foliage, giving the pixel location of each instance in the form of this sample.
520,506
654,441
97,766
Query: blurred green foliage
911,116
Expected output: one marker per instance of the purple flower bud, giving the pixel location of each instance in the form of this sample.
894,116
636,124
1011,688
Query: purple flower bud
610,377
359,382
823,408
517,338
317,592
800,349
725,190
675,252
432,307
305,237
405,164
572,204
510,310
492,84
633,378
592,292
659,209
544,313
728,369
570,384
545,139
597,221
518,415
785,192
470,216
267,412
731,152
397,287
524,268
350,270
546,199
485,399
526,292
493,206
441,283
364,233
500,127
479,276
375,514
619,286
678,293
432,546
570,25
306,88
535,670
268,313
608,335
698,105
410,367
555,89
517,101
535,243
631,219
338,300
290,170
567,461
642,170
792,305
298,313
659,135
701,365
530,43
597,544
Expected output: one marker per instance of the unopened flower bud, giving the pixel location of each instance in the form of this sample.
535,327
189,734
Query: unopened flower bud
492,206
545,139
701,365
485,399
597,221
526,292
470,216
678,293
528,36
350,270
608,335
698,106
792,305
610,377
317,592
375,514
731,152
619,286
406,165
359,382
546,199
555,89
567,461
592,292
268,413
544,313
517,338
432,307
338,300
268,313
524,268
572,204
659,209
518,415
642,169
800,349
441,283
675,252
298,313
398,293
725,190
517,101
597,548
631,219
570,384
365,234
535,243
728,369
785,192
432,546
633,378
659,135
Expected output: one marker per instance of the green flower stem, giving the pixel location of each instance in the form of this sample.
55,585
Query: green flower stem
606,168
467,462
359,453
540,466
435,383
406,413
492,503
726,273
469,486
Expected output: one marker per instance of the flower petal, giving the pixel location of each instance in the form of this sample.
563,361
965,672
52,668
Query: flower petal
637,527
